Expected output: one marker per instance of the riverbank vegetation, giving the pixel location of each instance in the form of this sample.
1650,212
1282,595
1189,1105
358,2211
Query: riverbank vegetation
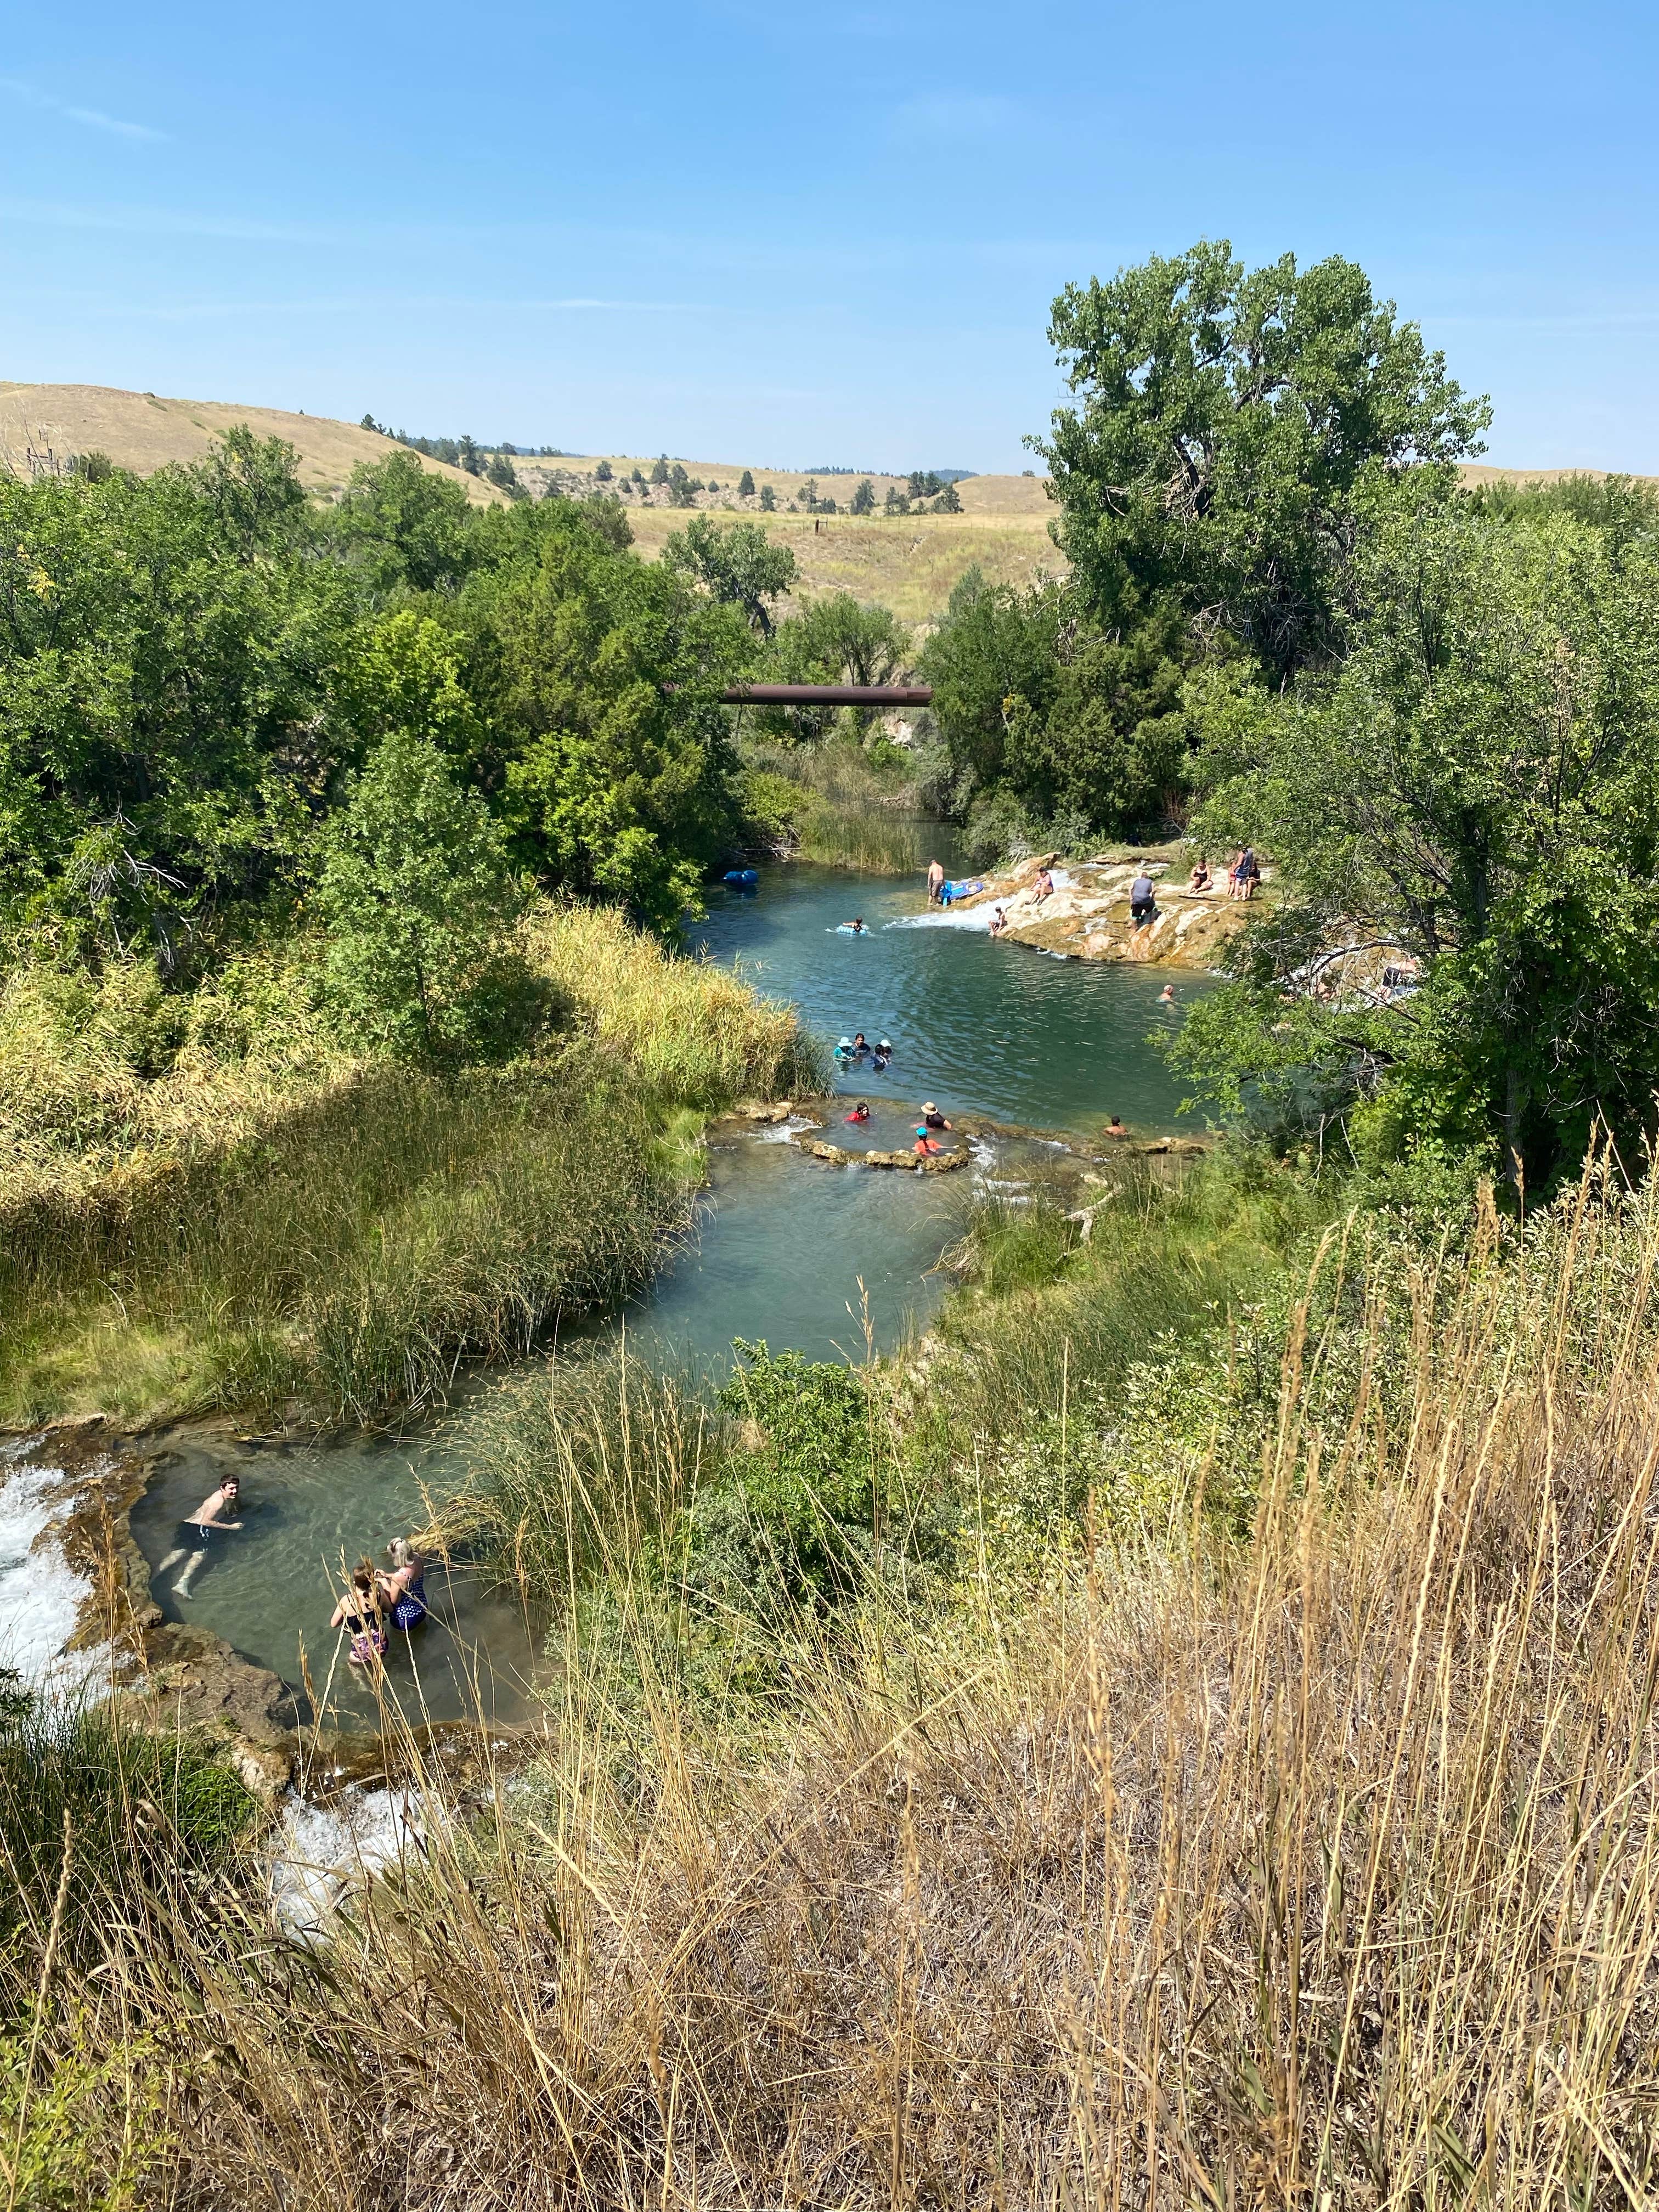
1228,1778
1182,1732
214,1201
340,850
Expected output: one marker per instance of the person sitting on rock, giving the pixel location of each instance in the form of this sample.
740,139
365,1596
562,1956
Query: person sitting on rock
998,922
1199,878
1042,886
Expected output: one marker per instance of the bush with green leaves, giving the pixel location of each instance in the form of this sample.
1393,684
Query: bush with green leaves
419,898
810,1495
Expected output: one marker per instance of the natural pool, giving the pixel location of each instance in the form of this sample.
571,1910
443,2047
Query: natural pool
983,1026
786,1248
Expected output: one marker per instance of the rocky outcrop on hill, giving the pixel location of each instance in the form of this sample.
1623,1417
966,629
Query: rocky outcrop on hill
1086,916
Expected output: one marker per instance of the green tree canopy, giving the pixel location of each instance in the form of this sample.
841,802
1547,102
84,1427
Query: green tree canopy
746,485
1066,722
599,677
165,651
418,896
1475,787
737,565
1226,425
402,525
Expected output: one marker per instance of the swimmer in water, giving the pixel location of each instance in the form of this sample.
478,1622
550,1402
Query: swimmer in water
359,1614
860,1113
1166,996
197,1530
403,1592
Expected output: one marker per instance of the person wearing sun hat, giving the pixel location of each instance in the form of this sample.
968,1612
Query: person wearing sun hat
931,1118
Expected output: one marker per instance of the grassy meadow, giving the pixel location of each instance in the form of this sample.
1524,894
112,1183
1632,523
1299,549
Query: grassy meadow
211,1202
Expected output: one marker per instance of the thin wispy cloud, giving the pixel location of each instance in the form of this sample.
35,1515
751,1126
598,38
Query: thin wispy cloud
93,117
163,222
379,303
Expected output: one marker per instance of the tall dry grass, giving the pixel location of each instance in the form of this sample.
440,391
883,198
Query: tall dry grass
1320,1868
207,1199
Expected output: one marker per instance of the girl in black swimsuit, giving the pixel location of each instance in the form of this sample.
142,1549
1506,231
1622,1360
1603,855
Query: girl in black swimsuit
359,1613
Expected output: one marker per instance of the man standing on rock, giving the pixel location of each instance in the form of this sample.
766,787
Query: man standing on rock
935,884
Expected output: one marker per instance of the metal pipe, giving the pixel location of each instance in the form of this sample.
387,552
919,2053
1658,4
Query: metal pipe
829,695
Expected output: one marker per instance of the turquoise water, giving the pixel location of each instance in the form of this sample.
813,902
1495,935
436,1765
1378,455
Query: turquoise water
816,1258
980,1025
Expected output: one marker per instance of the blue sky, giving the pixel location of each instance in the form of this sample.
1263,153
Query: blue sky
807,232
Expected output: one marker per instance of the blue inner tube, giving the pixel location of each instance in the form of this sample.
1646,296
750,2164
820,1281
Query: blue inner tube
745,879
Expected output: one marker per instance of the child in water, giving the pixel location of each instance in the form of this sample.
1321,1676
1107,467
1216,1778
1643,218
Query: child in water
860,1113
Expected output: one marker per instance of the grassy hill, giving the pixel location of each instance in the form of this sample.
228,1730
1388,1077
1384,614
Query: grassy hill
909,562
42,424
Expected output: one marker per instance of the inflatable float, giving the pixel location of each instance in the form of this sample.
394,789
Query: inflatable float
742,879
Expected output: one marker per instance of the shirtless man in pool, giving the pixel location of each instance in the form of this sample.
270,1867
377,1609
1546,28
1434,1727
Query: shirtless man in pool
198,1529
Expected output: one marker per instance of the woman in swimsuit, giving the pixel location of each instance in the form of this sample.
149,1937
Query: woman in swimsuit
359,1613
403,1590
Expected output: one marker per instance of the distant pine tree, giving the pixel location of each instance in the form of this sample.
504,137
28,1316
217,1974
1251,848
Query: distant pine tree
768,498
745,485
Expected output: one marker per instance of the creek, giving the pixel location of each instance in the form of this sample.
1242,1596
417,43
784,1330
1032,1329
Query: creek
820,1259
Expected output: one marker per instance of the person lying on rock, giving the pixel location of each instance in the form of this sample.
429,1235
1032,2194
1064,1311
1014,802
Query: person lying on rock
198,1530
